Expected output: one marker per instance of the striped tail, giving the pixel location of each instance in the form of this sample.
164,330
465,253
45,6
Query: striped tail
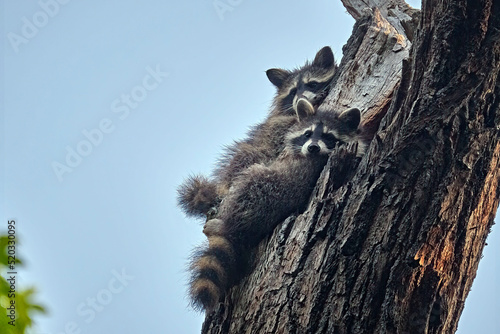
212,273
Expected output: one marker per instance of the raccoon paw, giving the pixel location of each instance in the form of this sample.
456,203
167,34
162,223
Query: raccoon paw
213,227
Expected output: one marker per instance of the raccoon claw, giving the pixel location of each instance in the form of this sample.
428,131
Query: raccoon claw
304,108
213,227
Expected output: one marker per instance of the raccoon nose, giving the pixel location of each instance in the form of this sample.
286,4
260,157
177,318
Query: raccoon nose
313,148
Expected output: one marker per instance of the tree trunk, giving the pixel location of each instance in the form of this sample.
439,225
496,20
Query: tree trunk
391,244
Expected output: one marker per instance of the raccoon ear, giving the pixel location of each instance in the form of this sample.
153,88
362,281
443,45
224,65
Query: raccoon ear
350,118
304,109
277,76
324,58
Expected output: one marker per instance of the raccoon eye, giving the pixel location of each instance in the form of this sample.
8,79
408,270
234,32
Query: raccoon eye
312,84
293,91
308,133
328,137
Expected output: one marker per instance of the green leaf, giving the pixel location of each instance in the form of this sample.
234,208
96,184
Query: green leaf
24,299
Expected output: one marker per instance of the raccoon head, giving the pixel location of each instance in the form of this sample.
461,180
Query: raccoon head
319,134
310,82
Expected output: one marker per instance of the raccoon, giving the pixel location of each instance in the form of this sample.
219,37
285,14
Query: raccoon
299,93
310,82
261,197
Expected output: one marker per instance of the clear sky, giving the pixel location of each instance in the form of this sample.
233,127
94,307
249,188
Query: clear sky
106,107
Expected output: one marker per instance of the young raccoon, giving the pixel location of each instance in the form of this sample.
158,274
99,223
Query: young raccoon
299,91
310,82
261,197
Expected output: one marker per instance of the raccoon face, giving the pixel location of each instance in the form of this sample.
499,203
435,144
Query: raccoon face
316,139
311,82
320,133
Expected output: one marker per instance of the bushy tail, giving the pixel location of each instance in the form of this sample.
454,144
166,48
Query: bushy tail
197,195
212,273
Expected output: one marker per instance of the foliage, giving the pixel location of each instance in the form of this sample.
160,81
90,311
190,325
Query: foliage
24,304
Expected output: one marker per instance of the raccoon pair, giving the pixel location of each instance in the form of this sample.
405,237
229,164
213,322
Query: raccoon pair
298,91
265,178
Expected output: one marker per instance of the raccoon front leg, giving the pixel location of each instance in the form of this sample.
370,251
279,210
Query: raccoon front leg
198,195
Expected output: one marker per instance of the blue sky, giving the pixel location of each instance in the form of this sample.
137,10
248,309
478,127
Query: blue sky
107,106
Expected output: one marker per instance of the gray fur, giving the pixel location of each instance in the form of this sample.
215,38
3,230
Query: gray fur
260,197
197,195
266,140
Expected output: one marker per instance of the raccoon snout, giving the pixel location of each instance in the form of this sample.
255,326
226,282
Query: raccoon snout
313,148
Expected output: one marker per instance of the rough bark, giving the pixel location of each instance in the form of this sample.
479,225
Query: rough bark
391,244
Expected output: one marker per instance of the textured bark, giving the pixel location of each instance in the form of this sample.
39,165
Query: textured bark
391,244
